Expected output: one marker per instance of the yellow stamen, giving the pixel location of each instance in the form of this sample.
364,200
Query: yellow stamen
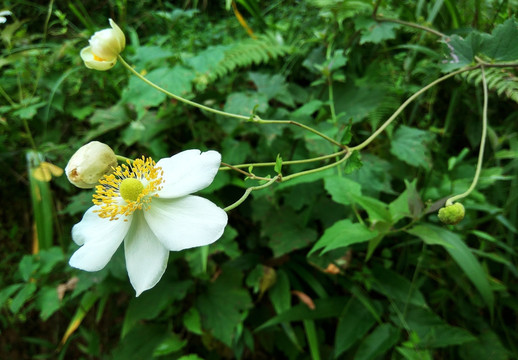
97,58
119,194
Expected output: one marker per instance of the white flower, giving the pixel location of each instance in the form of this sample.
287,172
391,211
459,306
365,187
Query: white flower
105,46
148,207
90,163
3,15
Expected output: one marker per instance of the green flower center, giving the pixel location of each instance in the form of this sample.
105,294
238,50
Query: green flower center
130,189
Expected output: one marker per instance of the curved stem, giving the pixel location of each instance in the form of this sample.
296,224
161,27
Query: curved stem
482,145
179,98
414,25
406,103
289,162
253,118
322,168
248,191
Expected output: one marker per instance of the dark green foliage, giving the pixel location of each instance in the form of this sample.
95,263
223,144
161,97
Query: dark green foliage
350,262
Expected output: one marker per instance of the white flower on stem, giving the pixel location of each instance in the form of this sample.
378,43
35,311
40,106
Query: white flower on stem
148,206
3,15
105,46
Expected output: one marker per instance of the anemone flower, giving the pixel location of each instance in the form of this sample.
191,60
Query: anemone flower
148,206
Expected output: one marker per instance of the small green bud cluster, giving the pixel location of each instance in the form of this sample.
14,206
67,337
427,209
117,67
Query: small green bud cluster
452,214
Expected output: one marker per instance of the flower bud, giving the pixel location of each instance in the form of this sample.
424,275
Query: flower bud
452,214
90,163
105,46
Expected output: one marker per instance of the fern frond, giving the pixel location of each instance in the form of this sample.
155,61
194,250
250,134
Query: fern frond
500,80
261,50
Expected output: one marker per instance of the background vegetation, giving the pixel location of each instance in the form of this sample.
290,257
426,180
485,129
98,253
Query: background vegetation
385,279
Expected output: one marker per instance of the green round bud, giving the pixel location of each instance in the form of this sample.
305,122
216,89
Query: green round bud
452,214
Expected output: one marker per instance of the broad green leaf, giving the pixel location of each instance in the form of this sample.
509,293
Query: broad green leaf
27,267
340,188
411,146
383,338
375,31
324,308
286,232
22,297
431,330
48,301
243,103
462,255
221,306
49,258
501,45
352,326
140,343
343,233
6,292
272,86
414,354
148,305
397,287
487,346
172,343
377,210
192,321
145,55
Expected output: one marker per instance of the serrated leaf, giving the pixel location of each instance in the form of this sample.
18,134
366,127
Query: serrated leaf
340,188
375,31
397,287
278,164
410,145
383,338
222,304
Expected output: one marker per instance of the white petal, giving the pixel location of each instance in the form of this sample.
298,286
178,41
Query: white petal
100,239
146,257
91,63
186,222
188,172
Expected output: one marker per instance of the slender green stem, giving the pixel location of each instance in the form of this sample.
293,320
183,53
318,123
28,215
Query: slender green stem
482,145
406,103
7,97
322,168
289,162
414,25
179,98
250,175
331,99
123,159
248,191
291,122
29,134
255,118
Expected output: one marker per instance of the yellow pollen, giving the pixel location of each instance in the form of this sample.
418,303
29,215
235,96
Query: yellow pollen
97,58
129,188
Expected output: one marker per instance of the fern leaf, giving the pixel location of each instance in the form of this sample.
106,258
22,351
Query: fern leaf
502,81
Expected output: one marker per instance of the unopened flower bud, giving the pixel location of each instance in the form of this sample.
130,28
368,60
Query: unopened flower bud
105,46
90,163
452,214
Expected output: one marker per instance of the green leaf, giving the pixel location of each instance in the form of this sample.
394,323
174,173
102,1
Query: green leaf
172,343
383,338
272,86
278,164
462,256
396,287
352,326
22,297
501,45
410,145
433,331
340,188
243,103
148,305
192,321
49,258
377,210
48,302
374,31
140,343
222,305
428,235
27,267
324,308
286,232
343,233
6,292
487,346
